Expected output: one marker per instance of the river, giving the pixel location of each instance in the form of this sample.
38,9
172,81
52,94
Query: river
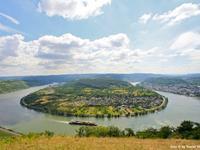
21,119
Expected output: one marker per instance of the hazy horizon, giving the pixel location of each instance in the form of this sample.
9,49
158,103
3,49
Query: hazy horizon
139,73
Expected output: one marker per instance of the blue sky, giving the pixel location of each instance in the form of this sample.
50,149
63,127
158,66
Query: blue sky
103,36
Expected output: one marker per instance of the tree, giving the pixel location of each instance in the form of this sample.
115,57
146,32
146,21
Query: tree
185,126
128,132
165,132
185,129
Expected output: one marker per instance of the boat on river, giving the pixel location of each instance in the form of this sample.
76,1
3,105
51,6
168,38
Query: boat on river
83,123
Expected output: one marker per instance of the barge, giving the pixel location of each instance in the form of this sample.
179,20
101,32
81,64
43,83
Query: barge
83,123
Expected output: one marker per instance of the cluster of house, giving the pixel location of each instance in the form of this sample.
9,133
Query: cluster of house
182,89
126,102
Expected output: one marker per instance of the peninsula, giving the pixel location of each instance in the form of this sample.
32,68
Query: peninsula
97,97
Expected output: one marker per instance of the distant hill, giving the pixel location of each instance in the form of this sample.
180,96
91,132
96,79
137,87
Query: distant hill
194,80
48,79
134,77
12,85
167,81
99,83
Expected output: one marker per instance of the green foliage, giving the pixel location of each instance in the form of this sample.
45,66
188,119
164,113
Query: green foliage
36,135
128,132
165,132
185,126
165,81
187,130
148,133
32,135
98,83
48,133
4,134
12,85
99,131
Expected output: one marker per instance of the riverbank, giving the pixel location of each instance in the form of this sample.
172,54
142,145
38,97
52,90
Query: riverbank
76,143
8,132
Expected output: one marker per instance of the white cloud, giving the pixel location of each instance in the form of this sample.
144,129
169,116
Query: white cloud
72,9
145,18
68,53
177,15
188,45
187,40
71,54
9,45
13,20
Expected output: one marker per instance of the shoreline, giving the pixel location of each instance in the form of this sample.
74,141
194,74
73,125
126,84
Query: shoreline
10,131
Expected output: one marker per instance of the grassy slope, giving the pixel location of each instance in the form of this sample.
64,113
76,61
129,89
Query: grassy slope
75,143
12,85
4,134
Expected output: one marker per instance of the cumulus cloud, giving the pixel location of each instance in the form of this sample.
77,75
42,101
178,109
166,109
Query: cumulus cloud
72,9
9,45
188,45
187,40
177,15
71,54
145,18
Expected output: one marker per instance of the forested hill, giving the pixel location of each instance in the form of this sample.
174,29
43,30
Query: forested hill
12,85
98,83
167,81
48,79
134,77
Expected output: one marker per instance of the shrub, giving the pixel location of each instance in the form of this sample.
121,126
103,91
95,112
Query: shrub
165,132
99,131
148,133
187,130
48,133
129,132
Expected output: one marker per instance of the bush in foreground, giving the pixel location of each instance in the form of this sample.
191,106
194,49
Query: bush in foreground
186,130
